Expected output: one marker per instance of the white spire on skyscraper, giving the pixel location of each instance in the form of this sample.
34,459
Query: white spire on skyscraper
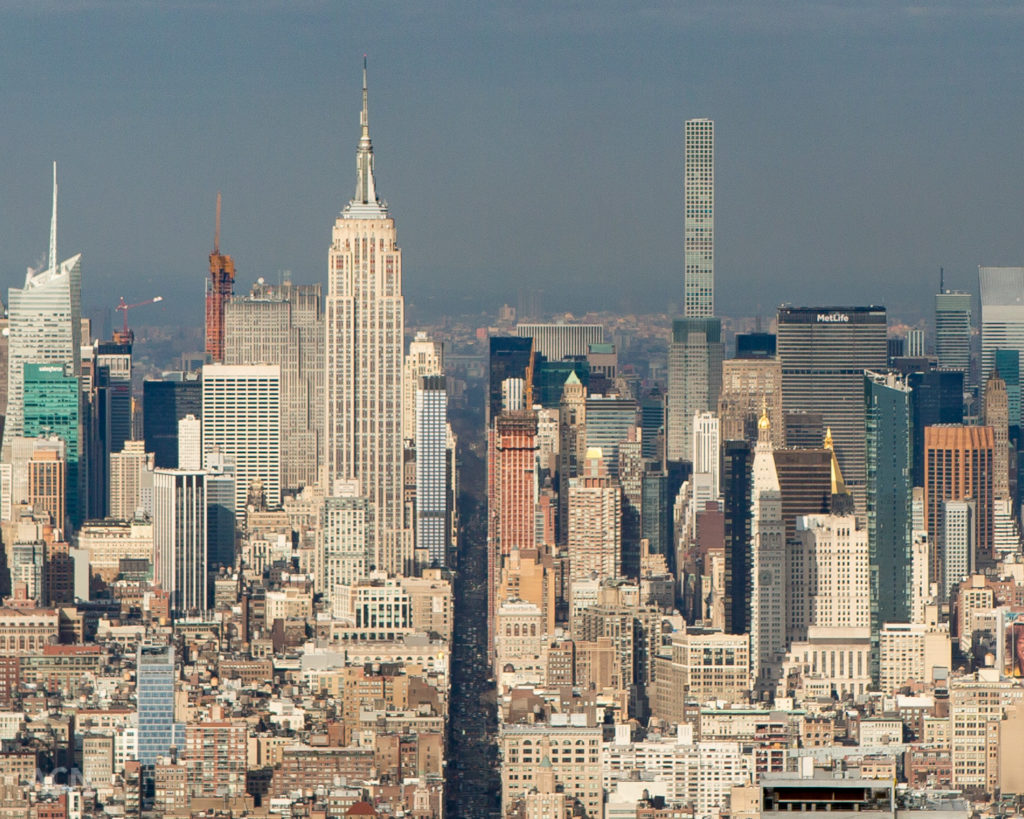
366,189
44,323
53,222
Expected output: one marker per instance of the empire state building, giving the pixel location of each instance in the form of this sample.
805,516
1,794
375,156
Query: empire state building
365,318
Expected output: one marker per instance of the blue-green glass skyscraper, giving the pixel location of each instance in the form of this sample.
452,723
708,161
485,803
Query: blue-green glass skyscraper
889,462
52,406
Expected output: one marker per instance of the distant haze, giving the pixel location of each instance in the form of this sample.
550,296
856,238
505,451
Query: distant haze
532,145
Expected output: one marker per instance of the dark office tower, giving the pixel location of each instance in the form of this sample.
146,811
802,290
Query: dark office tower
510,357
652,424
220,512
804,430
755,345
550,376
116,360
656,513
888,440
953,330
658,493
737,461
895,348
1008,364
164,403
805,478
632,467
906,365
824,352
937,397
107,415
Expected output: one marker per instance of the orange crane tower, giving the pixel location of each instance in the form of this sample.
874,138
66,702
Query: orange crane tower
219,288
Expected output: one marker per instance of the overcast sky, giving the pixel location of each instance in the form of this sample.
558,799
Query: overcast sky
523,145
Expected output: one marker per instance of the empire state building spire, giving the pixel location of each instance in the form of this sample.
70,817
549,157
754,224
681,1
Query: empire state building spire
366,190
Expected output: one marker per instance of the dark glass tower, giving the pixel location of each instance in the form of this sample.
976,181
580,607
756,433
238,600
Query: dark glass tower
937,397
889,454
510,357
755,345
164,403
737,462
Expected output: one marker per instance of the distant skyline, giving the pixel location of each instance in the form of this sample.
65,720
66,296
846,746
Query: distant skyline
858,149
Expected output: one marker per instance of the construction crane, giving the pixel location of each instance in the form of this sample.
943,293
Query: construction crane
124,335
219,289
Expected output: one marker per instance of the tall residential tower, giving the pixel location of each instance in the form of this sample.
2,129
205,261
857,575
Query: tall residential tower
699,219
695,351
365,327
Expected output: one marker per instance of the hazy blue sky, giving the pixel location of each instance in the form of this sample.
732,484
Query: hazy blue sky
529,144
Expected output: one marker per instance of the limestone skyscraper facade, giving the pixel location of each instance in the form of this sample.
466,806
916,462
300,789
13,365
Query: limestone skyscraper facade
365,318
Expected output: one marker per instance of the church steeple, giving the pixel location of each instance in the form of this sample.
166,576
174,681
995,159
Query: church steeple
366,190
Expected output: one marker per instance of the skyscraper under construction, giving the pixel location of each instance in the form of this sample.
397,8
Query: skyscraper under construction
219,288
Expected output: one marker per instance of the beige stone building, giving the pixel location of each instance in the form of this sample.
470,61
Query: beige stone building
519,643
25,631
387,606
830,662
748,385
529,575
568,745
130,481
978,704
828,575
700,666
109,541
595,521
910,652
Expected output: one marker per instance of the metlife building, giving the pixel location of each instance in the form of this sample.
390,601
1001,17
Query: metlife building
824,352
